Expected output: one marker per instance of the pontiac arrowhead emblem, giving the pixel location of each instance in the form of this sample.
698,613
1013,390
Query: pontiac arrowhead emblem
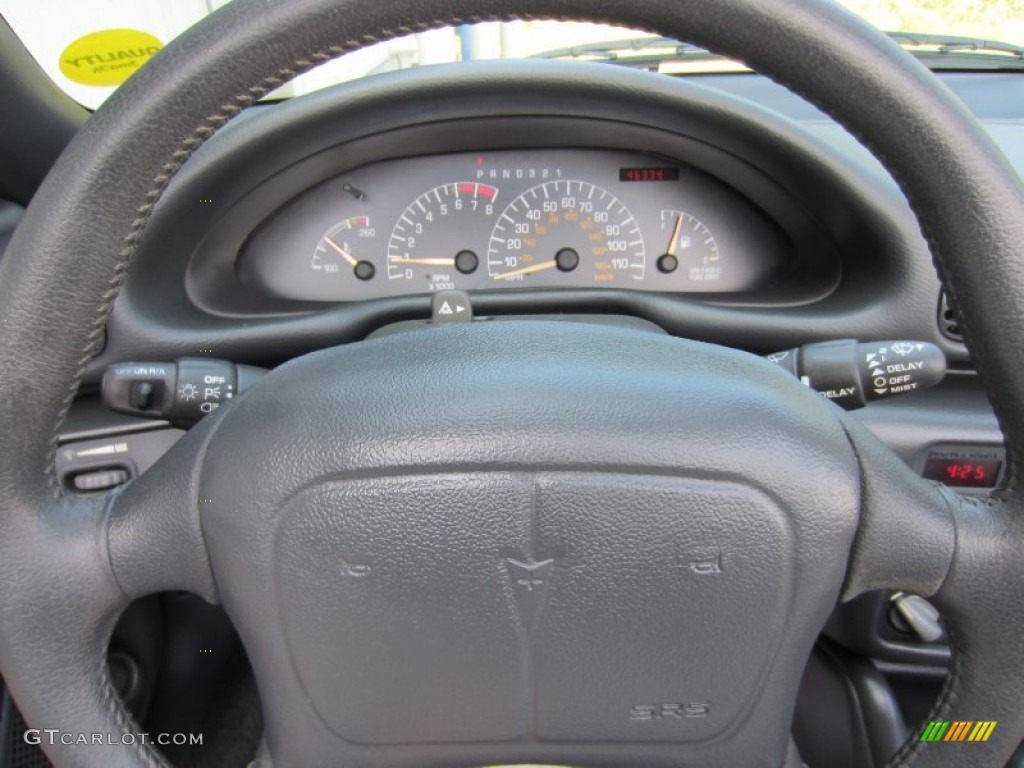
529,585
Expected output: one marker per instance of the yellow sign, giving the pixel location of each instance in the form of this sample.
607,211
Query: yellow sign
108,57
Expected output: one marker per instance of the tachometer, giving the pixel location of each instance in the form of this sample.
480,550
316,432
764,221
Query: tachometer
566,225
427,243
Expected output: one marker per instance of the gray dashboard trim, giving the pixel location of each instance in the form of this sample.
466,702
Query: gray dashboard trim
214,280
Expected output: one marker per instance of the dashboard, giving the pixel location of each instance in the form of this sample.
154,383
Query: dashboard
723,209
327,220
512,219
717,208
628,198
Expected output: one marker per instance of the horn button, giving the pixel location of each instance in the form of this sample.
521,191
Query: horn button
565,606
531,533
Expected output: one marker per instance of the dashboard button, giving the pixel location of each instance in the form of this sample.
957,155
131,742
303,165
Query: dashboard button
451,307
100,480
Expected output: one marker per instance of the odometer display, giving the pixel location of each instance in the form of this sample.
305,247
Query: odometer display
566,226
648,174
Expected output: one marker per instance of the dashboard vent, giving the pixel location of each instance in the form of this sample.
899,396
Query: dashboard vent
948,322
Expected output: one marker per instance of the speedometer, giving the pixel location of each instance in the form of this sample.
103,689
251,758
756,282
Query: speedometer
566,225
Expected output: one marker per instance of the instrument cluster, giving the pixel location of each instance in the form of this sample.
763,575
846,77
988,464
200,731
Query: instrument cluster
502,220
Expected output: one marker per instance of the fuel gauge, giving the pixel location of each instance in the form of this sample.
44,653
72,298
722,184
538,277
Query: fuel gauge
337,252
691,248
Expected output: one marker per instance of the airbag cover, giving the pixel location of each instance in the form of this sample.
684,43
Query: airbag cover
507,539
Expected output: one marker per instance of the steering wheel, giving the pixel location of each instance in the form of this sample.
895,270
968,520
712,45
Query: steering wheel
627,564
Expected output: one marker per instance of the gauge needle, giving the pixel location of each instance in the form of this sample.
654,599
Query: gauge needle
673,242
344,254
424,262
551,264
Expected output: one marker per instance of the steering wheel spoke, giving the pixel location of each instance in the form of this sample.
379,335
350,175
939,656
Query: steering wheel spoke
60,603
977,602
907,535
154,536
70,566
921,537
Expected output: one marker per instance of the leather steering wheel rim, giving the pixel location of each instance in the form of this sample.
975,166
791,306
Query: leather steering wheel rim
68,260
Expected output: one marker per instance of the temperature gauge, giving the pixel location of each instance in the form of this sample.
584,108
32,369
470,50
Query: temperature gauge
337,252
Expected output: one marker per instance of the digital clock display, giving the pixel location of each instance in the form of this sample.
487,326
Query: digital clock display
648,174
977,473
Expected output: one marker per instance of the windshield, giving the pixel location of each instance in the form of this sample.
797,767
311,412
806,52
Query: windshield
89,47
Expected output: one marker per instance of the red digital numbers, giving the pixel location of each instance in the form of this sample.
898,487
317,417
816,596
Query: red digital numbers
645,174
979,473
648,174
963,472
